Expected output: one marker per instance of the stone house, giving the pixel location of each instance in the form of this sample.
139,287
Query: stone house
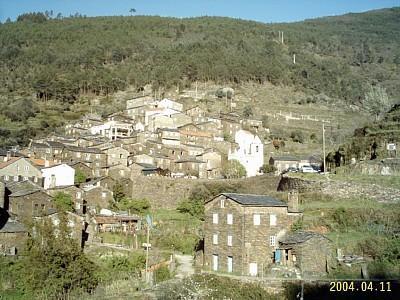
26,200
249,152
193,135
75,222
117,155
213,161
144,136
50,150
13,235
159,121
143,159
282,163
97,197
118,172
241,232
162,161
143,169
169,136
213,129
312,253
230,126
16,169
77,195
83,168
175,152
93,157
193,150
191,166
104,181
195,111
252,125
181,119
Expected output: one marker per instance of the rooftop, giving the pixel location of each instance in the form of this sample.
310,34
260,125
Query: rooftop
255,200
13,226
300,237
23,188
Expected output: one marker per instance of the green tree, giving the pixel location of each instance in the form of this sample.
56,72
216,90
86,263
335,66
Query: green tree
247,111
377,102
80,177
194,207
267,168
53,263
118,192
136,206
234,169
63,202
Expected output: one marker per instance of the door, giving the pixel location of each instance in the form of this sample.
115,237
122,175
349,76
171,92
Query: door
215,262
253,269
230,264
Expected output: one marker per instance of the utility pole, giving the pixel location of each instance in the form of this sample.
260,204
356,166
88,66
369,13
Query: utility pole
147,253
323,145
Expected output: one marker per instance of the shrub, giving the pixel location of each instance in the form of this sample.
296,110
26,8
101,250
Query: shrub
234,169
267,168
297,136
194,207
80,177
162,274
137,206
63,201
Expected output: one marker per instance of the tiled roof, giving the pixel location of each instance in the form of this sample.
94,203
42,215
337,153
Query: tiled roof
299,237
83,149
23,188
9,162
254,200
13,226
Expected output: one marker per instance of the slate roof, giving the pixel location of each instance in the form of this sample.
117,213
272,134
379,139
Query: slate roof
255,200
86,150
189,159
4,152
285,158
23,188
13,226
299,237
147,166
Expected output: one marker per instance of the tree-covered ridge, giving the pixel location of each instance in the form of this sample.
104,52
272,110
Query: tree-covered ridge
63,58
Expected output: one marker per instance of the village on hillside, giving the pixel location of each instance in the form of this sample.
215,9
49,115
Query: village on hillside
98,159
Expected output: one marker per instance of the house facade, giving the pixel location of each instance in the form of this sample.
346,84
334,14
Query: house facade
60,175
15,169
249,152
241,232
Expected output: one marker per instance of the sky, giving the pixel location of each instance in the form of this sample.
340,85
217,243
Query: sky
266,11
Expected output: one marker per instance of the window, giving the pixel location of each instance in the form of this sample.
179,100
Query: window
97,156
43,207
6,177
122,172
215,218
15,178
26,168
222,203
17,167
256,219
25,178
229,219
215,239
256,148
77,205
78,195
103,194
229,240
272,220
272,240
215,262
35,179
78,154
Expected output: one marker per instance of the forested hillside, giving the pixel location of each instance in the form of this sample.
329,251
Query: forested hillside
62,59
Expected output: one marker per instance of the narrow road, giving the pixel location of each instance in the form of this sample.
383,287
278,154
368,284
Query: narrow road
185,266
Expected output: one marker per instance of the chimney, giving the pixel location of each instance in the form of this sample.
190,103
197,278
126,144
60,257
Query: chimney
8,156
293,201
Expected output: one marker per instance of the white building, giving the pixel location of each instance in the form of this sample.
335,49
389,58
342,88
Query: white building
249,152
167,103
59,175
113,129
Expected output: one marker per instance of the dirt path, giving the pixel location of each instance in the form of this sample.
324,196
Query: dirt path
185,266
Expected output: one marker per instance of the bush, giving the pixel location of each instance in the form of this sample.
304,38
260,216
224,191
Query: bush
162,274
234,169
138,206
80,177
297,136
266,169
132,263
194,207
63,201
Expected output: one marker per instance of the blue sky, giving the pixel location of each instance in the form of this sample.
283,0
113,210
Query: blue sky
259,10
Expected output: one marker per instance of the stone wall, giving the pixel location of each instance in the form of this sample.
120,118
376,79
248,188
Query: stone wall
287,183
165,192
